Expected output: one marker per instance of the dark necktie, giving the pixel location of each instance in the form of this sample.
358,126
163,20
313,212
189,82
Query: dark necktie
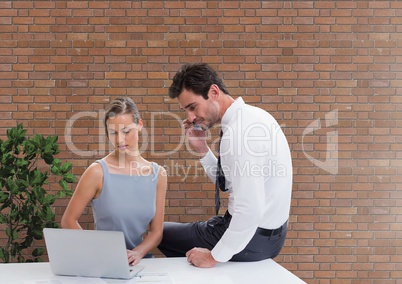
220,179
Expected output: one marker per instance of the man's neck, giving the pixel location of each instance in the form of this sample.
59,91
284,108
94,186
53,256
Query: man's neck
227,101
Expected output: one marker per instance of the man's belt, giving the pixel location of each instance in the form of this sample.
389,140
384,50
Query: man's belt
274,232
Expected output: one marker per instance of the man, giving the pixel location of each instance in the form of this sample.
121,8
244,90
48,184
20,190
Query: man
254,165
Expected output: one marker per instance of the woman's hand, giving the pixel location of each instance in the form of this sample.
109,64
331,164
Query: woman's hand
133,257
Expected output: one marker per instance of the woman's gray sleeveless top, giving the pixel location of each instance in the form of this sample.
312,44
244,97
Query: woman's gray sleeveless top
127,203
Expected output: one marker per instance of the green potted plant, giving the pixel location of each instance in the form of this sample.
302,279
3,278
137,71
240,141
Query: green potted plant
25,205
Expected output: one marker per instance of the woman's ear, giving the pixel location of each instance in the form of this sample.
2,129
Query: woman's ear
140,124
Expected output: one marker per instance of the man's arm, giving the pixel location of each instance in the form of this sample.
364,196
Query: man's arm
247,213
243,169
209,163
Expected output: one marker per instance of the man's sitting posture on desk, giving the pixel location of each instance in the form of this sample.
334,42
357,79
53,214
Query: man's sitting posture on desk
254,166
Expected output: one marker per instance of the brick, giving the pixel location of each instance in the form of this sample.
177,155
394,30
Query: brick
297,59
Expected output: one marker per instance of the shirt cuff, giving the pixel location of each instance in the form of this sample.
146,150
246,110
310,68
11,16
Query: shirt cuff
209,158
220,254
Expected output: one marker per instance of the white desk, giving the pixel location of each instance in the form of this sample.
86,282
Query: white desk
261,272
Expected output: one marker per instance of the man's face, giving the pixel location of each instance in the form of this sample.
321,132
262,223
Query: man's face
199,111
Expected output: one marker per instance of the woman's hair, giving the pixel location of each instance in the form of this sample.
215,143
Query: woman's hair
121,106
198,78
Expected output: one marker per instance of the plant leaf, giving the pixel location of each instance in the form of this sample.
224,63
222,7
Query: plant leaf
49,199
55,169
70,178
4,196
66,167
48,158
2,254
63,184
60,194
3,219
37,252
15,235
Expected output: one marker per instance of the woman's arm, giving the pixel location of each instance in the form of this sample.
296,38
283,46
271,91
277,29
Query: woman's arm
88,188
154,236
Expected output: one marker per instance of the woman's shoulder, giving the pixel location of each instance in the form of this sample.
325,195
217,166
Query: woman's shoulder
158,168
95,169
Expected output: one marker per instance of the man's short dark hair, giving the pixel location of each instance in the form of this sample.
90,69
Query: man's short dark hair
196,77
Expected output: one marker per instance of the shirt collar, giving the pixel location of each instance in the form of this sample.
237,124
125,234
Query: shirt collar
231,111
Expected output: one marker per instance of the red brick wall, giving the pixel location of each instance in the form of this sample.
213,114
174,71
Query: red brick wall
303,61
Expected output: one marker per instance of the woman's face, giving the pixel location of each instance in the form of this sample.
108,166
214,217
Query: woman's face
123,132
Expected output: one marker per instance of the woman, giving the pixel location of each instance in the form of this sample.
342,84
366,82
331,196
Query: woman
127,192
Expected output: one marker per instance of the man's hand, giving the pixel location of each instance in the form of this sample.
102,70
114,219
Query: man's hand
196,138
201,257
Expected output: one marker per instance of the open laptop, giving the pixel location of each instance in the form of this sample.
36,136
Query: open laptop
88,253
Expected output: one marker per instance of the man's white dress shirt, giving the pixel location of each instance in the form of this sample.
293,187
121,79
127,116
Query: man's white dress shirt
256,160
